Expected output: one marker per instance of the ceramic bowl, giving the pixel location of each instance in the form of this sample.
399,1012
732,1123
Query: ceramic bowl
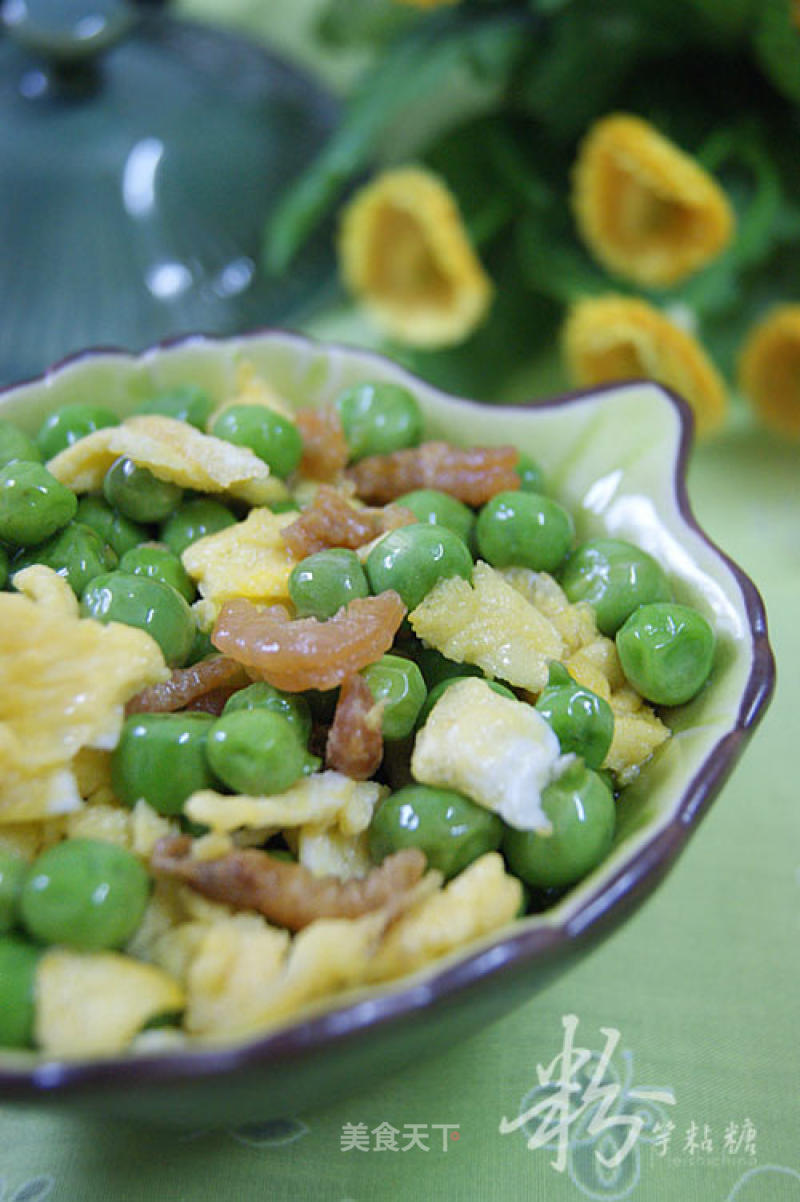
617,458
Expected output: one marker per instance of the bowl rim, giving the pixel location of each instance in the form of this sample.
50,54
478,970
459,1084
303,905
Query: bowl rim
602,910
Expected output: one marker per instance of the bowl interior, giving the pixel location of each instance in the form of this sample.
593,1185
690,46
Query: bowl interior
616,459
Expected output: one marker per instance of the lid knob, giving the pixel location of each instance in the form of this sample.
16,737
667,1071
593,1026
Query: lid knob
67,31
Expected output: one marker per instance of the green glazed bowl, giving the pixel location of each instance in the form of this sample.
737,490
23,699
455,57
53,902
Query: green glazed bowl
617,458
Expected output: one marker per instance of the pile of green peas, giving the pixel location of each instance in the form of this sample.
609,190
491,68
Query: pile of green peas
120,551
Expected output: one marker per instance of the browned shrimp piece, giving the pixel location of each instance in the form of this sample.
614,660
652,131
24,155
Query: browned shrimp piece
471,474
285,893
324,445
304,653
186,685
355,740
331,521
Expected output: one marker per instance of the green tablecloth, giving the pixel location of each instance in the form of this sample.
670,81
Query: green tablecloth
696,997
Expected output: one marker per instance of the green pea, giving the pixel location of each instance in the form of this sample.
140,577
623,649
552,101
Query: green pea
440,509
144,602
442,687
524,529
583,722
114,528
33,504
666,651
258,752
450,829
615,577
580,807
531,476
185,404
412,559
436,667
18,961
378,419
13,871
3,567
398,683
85,894
287,505
193,520
271,436
15,444
201,647
292,706
69,424
138,494
162,758
77,553
322,583
159,563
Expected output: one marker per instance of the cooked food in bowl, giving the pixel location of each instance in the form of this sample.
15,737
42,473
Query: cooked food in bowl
300,700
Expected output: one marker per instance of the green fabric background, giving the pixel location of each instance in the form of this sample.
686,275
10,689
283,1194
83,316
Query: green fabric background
701,985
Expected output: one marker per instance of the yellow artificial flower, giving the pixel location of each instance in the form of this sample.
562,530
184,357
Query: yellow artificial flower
646,210
405,255
612,337
769,369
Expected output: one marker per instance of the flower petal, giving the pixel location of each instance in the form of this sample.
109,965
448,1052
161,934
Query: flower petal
769,369
647,210
405,254
611,337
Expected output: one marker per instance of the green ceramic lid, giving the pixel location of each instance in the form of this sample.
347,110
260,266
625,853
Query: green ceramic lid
139,158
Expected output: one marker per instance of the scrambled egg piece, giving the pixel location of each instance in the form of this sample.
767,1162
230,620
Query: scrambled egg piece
499,752
138,830
480,899
575,622
242,975
249,559
172,450
323,799
93,1003
44,586
63,685
489,623
637,734
326,851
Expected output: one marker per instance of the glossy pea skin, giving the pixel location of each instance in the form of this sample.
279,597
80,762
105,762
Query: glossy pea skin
524,529
77,553
114,528
450,829
138,494
149,604
398,683
85,894
582,722
268,434
580,806
412,559
33,504
531,476
322,583
15,444
18,961
666,651
292,706
69,424
193,520
162,758
159,563
614,576
186,404
3,567
379,418
440,509
257,752
442,687
13,870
